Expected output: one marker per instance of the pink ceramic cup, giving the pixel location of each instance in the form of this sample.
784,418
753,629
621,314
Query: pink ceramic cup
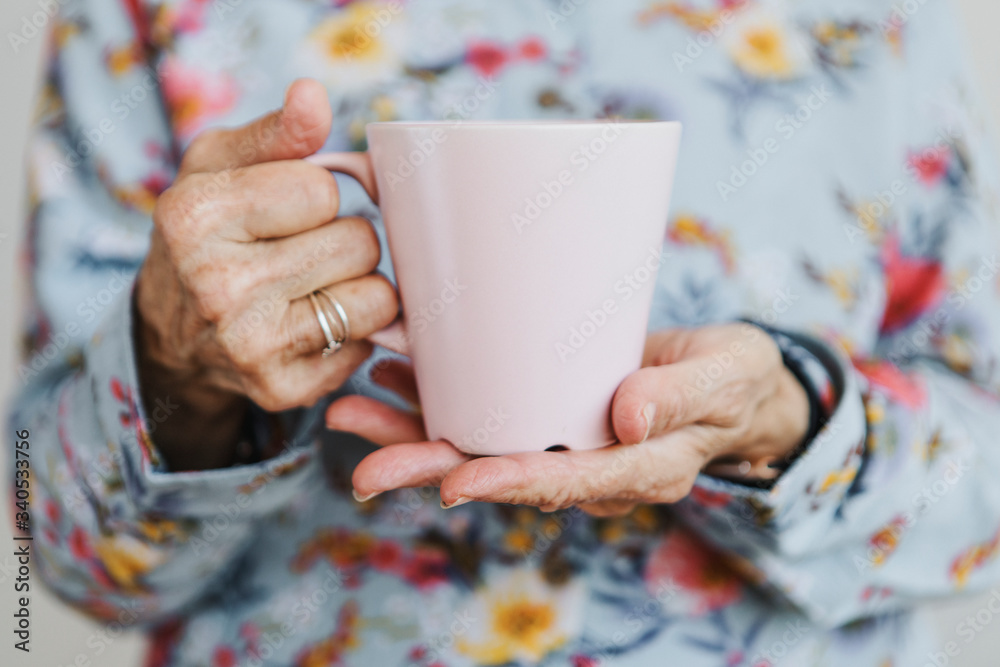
526,256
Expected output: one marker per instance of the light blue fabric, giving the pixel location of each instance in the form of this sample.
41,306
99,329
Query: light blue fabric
834,181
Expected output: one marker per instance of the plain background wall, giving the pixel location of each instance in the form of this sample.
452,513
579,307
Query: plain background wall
59,635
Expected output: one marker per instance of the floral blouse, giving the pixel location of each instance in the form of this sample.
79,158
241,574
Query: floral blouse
835,183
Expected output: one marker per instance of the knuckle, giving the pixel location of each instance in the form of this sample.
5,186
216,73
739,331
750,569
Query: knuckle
731,401
202,149
363,242
318,188
671,492
384,303
184,212
245,353
273,393
216,288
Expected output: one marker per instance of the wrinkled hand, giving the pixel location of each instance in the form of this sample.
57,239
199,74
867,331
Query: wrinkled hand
246,232
703,395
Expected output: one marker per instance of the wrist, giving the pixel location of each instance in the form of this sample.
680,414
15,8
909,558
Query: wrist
204,423
789,419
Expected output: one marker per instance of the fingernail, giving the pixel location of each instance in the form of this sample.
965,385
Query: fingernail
363,499
461,501
649,412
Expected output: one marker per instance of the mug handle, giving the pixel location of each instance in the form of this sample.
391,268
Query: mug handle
359,167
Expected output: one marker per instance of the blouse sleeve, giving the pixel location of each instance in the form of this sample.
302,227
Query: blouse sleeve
114,532
897,500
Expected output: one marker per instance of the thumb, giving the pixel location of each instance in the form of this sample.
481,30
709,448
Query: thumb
296,130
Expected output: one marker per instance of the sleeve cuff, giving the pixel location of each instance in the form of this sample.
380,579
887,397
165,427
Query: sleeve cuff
130,429
814,484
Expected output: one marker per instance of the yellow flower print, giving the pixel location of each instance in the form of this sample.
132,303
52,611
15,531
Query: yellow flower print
765,47
519,540
837,478
126,559
347,35
354,46
972,559
521,618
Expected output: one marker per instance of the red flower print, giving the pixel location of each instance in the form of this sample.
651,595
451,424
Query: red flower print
583,661
79,544
385,556
899,386
52,511
425,569
694,567
163,640
102,578
194,95
250,633
224,657
914,285
930,165
118,390
713,499
531,49
487,58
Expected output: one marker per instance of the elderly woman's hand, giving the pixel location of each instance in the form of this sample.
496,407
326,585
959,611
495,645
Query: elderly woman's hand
703,395
246,232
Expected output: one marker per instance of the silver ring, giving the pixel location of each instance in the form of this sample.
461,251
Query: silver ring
333,345
345,324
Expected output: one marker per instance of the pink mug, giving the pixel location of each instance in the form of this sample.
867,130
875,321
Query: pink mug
526,256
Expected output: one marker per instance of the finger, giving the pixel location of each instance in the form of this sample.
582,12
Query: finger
303,381
374,421
397,376
656,399
369,302
295,131
264,201
610,508
668,346
406,466
657,471
340,250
